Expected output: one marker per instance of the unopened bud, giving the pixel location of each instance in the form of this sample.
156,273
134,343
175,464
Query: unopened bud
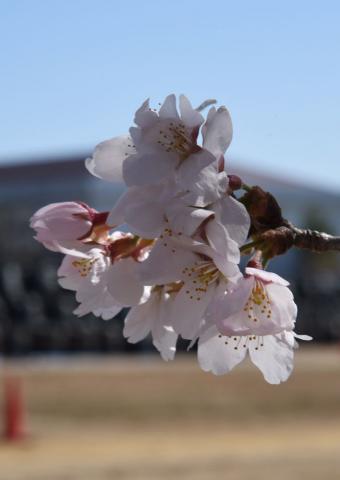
235,182
263,209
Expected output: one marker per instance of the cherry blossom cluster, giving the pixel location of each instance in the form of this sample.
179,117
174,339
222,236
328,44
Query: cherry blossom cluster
170,247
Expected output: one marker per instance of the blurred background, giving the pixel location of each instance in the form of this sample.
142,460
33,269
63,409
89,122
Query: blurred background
72,75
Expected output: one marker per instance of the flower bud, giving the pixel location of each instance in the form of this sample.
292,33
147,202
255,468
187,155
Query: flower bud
235,182
61,224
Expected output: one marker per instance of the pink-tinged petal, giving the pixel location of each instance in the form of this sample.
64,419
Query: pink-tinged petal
225,310
219,239
123,284
268,309
169,109
217,131
59,226
142,209
164,337
235,218
136,136
144,116
190,117
198,174
165,262
152,316
148,168
216,356
75,249
229,269
97,301
139,320
186,220
188,308
283,307
267,277
107,159
273,356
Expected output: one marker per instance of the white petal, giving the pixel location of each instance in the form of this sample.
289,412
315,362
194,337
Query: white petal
274,359
220,241
186,220
188,308
107,159
224,307
148,168
164,337
165,262
198,174
215,356
235,218
152,316
138,321
284,309
169,109
217,131
74,249
191,117
306,338
142,208
144,116
267,276
123,284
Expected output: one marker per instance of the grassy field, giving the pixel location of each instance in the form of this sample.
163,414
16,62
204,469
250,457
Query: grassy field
139,418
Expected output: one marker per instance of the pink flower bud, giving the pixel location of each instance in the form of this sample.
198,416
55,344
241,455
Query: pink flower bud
62,224
235,182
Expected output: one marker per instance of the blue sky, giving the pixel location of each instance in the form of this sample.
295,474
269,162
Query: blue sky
73,72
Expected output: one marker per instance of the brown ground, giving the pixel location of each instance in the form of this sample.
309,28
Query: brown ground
142,419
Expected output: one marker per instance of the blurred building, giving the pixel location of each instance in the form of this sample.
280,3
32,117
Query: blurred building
36,315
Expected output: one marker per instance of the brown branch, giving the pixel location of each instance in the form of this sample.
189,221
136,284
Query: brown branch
273,234
279,240
315,241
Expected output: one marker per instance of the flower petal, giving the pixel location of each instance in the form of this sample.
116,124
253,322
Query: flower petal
107,159
274,358
169,109
144,116
215,356
148,168
165,262
191,117
235,218
267,277
164,337
142,208
138,321
123,284
188,308
226,306
217,131
198,174
186,220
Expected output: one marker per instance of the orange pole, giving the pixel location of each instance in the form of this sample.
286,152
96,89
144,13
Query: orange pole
14,409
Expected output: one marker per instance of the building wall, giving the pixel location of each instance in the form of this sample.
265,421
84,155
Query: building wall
36,315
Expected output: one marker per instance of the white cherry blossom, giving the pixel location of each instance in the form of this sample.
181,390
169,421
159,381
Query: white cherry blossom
106,279
272,354
261,304
178,267
175,258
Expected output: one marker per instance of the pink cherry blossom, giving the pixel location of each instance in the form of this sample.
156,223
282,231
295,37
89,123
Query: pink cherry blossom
62,226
